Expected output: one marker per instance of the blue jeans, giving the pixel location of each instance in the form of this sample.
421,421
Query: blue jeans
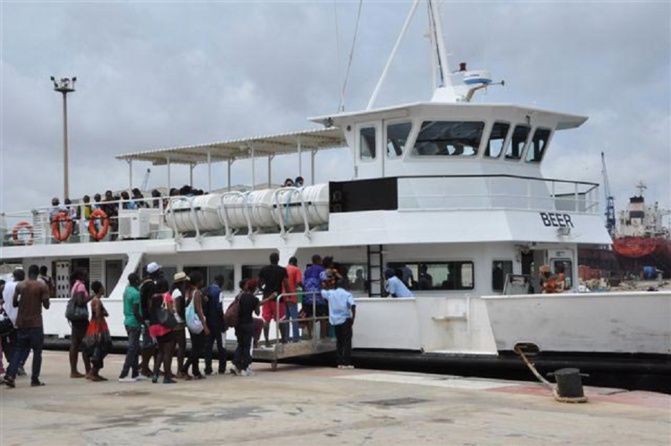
131,361
27,339
292,313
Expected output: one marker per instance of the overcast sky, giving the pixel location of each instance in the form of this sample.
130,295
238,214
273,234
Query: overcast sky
163,74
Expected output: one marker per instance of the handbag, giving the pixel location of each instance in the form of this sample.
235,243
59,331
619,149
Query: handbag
232,315
192,320
76,313
166,317
6,326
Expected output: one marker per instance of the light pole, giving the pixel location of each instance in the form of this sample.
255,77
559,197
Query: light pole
65,86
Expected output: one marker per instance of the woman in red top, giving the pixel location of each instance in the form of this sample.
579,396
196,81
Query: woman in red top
162,334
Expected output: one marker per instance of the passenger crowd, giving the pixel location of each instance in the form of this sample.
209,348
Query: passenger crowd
158,315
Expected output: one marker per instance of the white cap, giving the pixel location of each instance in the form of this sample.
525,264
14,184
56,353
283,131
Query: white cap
153,267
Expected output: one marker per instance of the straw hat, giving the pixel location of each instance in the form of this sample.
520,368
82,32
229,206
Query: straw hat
180,276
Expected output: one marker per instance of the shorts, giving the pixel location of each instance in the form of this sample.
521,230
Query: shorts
269,311
321,310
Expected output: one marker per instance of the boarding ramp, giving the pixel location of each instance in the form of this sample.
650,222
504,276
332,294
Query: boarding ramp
309,344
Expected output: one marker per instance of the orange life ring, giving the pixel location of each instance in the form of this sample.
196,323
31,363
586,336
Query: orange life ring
98,234
56,226
19,227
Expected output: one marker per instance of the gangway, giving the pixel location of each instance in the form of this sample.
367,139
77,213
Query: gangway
305,347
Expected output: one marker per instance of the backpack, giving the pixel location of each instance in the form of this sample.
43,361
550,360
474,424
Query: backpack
232,315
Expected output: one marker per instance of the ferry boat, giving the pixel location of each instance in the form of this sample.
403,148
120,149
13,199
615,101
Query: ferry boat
448,189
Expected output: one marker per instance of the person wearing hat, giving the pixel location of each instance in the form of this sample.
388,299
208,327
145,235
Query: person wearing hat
154,274
180,283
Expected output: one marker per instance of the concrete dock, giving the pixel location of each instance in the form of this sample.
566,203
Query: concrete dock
298,405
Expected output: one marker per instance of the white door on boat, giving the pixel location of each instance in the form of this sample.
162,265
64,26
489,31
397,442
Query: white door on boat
369,158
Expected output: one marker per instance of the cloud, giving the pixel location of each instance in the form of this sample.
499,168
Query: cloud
155,75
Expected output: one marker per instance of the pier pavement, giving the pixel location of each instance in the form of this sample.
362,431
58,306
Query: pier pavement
299,405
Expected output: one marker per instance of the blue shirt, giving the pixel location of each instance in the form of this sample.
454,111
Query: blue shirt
340,302
396,287
312,285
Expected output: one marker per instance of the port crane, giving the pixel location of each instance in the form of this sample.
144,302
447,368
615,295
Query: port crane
610,201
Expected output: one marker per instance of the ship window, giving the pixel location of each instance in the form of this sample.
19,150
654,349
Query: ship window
209,273
226,271
449,138
538,143
497,139
500,269
519,139
355,275
367,143
251,271
397,136
457,275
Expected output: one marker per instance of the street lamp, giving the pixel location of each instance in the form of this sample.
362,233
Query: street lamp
65,86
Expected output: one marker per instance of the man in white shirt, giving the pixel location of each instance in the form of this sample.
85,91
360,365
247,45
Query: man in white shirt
9,341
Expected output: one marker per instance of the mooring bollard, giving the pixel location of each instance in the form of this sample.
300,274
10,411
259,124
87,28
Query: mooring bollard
569,383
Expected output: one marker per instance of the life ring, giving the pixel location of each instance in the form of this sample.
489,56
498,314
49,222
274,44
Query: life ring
25,226
56,226
98,234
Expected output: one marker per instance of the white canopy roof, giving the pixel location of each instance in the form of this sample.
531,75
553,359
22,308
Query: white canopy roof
284,143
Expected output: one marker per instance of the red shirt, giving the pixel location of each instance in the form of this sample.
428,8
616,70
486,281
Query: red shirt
293,279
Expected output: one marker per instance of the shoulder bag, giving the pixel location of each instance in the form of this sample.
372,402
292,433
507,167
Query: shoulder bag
192,320
75,312
232,314
166,317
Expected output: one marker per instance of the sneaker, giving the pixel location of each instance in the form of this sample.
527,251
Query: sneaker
169,381
139,378
127,379
9,382
21,372
342,366
348,366
247,373
36,383
235,371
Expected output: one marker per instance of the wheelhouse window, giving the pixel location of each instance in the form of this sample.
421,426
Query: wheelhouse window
497,139
209,273
500,270
397,136
367,143
538,143
448,138
518,141
457,275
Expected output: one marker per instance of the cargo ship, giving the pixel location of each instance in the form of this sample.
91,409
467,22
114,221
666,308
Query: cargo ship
642,243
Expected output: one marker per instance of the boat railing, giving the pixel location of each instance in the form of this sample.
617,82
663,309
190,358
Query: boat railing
80,223
510,192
